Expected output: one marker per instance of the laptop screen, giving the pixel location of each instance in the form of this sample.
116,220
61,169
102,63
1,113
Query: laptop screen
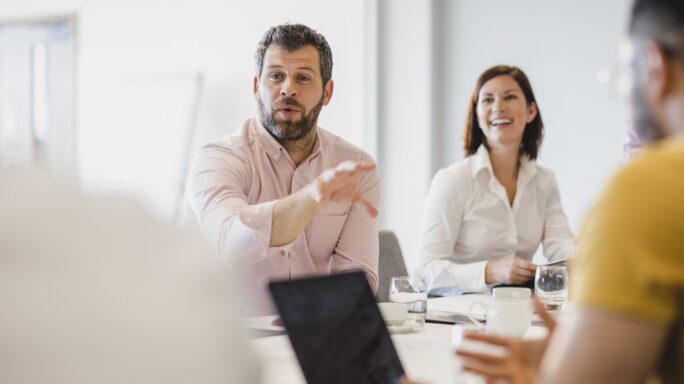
336,330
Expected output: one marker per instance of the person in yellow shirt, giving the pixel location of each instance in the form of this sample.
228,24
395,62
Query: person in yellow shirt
627,322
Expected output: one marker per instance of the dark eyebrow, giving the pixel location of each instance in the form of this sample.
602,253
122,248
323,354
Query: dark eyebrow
304,68
273,66
506,91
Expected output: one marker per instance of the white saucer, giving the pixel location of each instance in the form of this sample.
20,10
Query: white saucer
409,326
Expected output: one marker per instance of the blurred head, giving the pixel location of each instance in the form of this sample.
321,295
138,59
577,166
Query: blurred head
654,58
502,110
293,80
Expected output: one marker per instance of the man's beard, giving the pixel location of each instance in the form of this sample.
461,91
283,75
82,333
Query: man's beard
289,130
645,125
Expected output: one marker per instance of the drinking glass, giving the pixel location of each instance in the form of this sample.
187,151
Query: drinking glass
551,286
412,292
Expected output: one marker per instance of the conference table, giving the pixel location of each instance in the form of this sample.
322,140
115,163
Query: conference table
427,355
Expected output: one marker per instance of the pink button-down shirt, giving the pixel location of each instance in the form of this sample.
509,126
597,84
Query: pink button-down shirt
233,187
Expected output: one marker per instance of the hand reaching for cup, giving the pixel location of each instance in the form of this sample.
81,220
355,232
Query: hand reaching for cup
521,362
509,270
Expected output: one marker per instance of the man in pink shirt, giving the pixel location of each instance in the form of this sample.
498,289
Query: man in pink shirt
282,198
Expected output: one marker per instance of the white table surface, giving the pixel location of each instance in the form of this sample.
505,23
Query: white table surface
427,355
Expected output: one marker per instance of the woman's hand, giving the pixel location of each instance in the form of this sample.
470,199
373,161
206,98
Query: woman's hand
521,362
509,270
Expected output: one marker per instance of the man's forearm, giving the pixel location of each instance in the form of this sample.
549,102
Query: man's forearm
290,215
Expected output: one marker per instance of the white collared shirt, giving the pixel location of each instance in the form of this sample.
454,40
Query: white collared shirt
468,220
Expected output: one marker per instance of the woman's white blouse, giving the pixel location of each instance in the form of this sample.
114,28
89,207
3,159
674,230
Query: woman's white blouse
468,221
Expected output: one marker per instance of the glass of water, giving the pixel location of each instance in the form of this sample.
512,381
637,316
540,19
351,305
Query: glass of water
412,292
551,286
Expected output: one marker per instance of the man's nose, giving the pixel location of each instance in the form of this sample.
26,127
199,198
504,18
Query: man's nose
288,89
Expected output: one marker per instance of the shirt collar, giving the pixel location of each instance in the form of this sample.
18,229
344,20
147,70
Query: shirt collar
317,144
528,168
480,160
271,145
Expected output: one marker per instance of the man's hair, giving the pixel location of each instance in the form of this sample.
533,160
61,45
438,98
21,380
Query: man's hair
661,21
473,136
291,37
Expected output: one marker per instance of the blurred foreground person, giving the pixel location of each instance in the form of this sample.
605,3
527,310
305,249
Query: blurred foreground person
629,293
93,290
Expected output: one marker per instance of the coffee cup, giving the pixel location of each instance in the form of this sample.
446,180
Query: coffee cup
511,293
508,314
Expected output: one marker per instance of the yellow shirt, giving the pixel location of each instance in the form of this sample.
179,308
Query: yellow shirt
630,258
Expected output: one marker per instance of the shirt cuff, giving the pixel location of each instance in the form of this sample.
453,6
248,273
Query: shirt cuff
473,275
253,226
455,278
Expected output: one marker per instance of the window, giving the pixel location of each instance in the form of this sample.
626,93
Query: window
37,106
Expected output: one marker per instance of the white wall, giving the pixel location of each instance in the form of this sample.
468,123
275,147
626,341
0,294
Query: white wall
405,120
132,38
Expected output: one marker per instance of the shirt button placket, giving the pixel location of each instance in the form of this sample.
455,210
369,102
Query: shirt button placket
298,181
513,233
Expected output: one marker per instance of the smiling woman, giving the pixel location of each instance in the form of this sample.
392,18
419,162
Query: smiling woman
509,86
486,215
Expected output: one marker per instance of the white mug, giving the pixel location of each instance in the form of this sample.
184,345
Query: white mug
511,293
509,314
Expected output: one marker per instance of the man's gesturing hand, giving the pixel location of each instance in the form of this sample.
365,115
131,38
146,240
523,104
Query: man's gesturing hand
341,184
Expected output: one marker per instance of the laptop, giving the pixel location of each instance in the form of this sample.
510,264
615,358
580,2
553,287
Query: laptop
336,330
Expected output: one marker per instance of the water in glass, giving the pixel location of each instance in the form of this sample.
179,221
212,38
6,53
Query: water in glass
411,291
551,286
